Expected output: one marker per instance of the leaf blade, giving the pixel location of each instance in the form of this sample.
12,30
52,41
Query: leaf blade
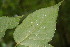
7,23
35,30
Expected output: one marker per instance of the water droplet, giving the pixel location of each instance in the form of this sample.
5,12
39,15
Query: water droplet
55,29
34,39
31,22
45,46
44,27
37,24
29,31
44,15
36,35
51,39
49,44
36,20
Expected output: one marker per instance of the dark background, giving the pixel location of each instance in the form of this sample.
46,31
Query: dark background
13,8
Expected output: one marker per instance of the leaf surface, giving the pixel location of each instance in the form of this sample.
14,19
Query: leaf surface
7,23
38,28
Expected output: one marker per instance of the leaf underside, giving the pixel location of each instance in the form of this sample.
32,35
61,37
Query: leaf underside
38,28
7,23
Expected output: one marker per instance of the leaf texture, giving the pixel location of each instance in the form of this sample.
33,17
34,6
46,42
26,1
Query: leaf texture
48,45
7,23
38,28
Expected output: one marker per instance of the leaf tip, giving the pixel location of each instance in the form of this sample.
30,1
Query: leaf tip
60,3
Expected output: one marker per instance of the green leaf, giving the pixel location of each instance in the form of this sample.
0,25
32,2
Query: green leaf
27,46
7,23
38,28
21,46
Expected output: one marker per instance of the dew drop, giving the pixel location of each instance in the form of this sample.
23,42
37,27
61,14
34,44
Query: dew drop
51,39
36,35
36,20
49,44
37,24
44,15
29,31
55,29
31,22
34,39
44,27
45,46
